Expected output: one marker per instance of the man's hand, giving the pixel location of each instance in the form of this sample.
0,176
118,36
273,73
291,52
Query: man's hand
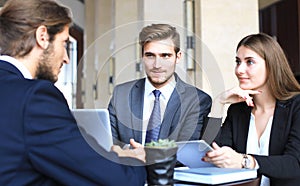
137,151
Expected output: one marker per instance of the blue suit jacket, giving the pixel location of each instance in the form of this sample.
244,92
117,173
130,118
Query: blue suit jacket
183,118
282,165
40,143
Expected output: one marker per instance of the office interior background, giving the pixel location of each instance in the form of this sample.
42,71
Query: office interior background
104,49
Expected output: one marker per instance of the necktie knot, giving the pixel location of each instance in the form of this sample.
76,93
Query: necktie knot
156,93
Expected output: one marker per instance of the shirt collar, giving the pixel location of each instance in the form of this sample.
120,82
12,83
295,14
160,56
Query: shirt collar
166,90
20,66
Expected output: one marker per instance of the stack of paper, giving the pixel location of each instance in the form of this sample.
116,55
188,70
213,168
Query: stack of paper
213,175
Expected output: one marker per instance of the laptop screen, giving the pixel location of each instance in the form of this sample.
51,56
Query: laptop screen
96,123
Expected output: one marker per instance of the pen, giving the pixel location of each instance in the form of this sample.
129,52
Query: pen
126,146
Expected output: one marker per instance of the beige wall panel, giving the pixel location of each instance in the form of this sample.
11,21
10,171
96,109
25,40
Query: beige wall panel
126,33
98,37
221,24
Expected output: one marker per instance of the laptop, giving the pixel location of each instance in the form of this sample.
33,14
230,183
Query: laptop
96,123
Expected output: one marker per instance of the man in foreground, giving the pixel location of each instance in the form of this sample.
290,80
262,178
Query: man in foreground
40,141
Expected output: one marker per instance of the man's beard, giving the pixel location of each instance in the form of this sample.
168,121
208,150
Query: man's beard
44,68
160,83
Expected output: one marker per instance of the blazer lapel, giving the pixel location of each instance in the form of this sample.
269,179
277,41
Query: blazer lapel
243,121
172,110
137,105
278,126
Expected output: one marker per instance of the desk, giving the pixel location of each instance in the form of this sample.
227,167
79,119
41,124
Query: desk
250,182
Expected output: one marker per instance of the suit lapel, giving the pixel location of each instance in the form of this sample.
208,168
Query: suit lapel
137,105
170,112
172,109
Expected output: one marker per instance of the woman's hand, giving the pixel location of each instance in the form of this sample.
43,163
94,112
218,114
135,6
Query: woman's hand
230,96
236,95
224,157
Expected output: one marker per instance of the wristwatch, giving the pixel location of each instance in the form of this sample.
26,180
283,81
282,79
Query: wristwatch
246,162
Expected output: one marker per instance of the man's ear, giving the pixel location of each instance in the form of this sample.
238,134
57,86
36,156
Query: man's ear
178,56
42,37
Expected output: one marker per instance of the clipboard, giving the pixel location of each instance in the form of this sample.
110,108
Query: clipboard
189,153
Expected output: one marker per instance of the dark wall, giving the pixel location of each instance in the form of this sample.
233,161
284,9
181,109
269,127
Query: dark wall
281,20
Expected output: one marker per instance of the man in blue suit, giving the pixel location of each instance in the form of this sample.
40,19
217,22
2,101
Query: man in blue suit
40,141
183,107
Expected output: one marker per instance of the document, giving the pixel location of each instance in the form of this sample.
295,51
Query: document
190,153
213,175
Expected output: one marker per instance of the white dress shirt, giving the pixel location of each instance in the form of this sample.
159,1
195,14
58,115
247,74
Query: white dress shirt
259,146
164,97
20,66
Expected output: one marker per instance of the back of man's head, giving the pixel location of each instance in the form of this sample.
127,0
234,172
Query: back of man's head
19,20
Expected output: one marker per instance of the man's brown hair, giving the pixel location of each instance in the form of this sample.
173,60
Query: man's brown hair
157,32
19,20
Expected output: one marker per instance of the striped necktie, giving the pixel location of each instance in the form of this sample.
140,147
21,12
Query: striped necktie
154,120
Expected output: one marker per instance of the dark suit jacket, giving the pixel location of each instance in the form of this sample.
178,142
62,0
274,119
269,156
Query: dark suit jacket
282,165
40,143
183,118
